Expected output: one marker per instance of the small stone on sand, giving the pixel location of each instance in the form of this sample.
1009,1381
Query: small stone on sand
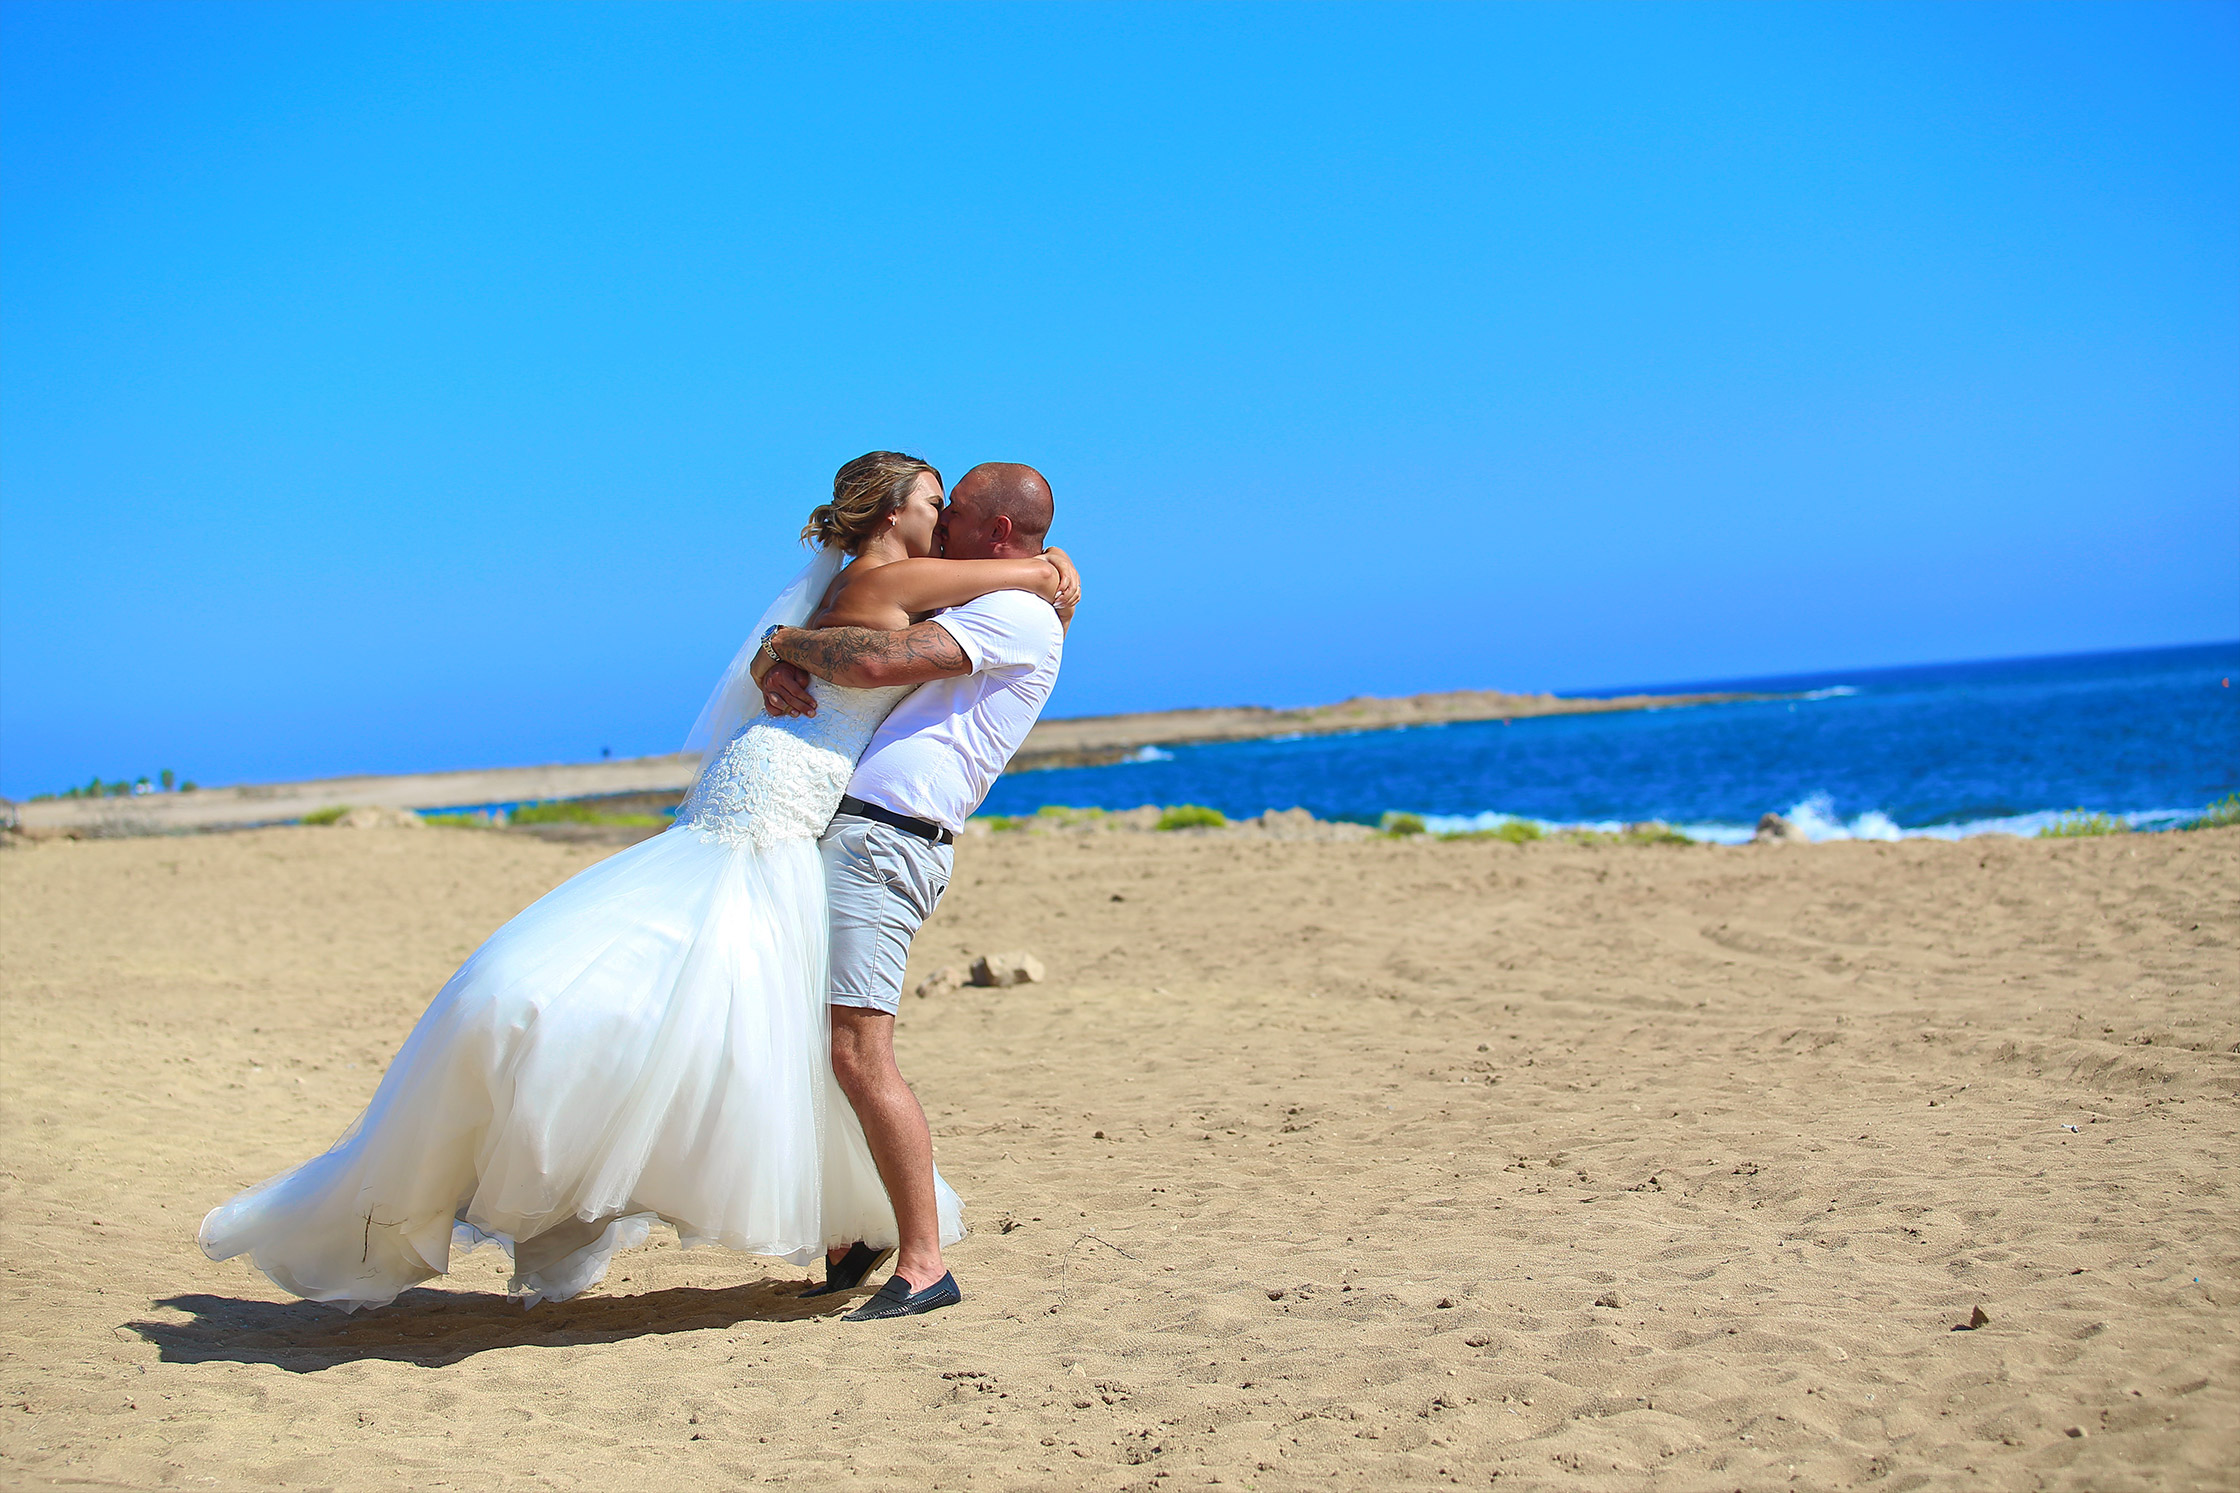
1001,970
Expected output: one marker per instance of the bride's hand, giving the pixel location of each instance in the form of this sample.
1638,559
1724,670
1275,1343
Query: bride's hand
1069,579
785,691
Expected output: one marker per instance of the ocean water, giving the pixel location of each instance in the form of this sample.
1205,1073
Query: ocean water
1946,750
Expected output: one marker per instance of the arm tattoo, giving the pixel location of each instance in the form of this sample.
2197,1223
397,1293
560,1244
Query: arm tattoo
859,658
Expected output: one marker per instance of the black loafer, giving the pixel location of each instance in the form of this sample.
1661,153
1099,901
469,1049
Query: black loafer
895,1300
849,1271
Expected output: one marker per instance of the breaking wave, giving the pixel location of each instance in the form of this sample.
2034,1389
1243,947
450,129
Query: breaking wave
1818,818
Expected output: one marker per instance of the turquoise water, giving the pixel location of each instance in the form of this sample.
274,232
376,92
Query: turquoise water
1945,750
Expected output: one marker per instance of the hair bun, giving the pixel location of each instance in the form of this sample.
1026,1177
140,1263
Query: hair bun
864,493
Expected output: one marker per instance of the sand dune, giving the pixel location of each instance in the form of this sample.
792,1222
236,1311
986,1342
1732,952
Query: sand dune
1370,1165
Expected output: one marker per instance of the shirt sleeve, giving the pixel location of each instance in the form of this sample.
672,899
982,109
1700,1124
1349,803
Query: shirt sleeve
1002,631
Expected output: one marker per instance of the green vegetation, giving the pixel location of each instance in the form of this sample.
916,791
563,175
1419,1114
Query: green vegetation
2080,823
1650,832
1515,832
578,812
456,821
1049,816
118,788
327,815
1191,816
1401,826
2225,811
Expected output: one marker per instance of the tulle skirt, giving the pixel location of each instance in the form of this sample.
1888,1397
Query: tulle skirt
648,1041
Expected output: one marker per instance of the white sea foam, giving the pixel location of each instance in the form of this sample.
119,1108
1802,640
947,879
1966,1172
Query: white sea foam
1818,818
1835,692
1148,754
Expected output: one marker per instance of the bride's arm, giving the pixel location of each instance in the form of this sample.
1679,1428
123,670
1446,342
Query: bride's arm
914,587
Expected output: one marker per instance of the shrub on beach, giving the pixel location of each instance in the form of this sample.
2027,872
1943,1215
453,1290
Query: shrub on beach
2225,811
1049,816
1400,826
2083,822
567,812
1191,816
327,815
1515,832
1648,832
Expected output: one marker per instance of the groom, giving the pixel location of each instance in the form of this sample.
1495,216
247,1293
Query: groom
985,669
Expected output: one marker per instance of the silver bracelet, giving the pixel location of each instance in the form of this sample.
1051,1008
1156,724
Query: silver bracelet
767,634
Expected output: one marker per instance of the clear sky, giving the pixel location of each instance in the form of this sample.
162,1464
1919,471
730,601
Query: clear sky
399,387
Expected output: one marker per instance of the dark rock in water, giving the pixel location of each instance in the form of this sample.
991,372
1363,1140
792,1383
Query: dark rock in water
1775,830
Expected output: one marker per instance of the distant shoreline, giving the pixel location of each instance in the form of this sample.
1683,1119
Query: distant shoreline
1100,740
1078,741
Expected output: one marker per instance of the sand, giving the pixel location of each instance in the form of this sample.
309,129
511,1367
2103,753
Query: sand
1364,1165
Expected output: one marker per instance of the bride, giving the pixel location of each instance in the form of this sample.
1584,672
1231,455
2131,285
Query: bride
650,1039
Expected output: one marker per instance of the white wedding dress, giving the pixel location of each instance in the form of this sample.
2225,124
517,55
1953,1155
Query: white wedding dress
648,1040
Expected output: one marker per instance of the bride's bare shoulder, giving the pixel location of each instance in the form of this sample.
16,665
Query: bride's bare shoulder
863,595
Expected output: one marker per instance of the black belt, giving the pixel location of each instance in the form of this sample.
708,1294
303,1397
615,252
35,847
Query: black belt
924,829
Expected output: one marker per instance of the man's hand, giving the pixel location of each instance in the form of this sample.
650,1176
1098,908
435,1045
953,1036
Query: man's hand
785,691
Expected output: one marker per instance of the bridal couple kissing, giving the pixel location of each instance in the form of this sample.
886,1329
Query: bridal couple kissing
700,1029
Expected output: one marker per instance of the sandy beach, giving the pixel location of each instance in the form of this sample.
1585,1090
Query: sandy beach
1365,1164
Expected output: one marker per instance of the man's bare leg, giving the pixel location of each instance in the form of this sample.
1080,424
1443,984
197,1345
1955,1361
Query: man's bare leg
895,1125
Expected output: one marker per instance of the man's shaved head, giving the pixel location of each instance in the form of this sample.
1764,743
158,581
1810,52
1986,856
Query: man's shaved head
1005,489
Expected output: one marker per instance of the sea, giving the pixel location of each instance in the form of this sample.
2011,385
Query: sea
1942,751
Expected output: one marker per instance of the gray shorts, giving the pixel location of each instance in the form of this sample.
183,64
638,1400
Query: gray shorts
882,883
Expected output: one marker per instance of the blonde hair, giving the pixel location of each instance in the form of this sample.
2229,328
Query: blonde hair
864,493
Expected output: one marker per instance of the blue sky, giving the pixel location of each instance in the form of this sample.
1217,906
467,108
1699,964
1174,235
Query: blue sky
398,387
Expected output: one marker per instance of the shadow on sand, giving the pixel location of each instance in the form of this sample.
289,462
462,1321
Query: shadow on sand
438,1328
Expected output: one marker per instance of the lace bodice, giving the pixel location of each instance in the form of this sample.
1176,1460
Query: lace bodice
781,778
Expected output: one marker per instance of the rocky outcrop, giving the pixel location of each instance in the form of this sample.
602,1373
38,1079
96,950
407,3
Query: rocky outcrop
1093,741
